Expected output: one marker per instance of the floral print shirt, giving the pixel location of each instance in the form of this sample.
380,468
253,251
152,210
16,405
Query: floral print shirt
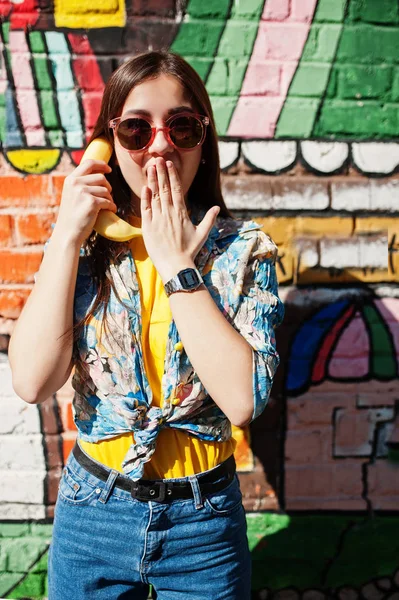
112,392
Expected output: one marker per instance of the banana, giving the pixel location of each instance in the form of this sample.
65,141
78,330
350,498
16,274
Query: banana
108,224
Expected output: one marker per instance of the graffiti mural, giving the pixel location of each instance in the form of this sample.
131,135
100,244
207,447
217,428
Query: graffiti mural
306,96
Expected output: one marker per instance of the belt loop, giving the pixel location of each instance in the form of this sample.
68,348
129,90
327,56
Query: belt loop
109,485
196,491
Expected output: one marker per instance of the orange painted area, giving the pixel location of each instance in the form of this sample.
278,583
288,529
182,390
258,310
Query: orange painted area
243,453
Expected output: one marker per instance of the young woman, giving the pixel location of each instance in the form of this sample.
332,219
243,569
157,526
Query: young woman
173,341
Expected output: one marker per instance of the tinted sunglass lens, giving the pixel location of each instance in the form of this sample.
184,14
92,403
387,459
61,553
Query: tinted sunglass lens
186,132
134,134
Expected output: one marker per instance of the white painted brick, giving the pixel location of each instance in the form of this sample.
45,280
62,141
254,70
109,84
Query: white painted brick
384,196
6,389
312,196
241,194
308,252
374,252
25,487
373,195
21,512
357,252
339,254
22,452
350,196
16,416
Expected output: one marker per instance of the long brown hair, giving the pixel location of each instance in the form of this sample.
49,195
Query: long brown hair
204,192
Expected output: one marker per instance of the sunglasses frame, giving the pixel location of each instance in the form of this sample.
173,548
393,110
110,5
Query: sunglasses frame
114,125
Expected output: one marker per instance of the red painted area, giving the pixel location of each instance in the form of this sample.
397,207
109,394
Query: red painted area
90,81
320,366
21,15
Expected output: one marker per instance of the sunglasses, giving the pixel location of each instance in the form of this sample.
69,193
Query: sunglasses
184,131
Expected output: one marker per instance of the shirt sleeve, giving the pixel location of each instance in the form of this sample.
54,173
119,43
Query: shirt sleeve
260,311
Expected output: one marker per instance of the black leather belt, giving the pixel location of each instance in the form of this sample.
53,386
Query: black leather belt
157,489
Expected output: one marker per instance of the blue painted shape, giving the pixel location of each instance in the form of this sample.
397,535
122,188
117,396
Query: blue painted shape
13,132
307,342
61,67
68,107
68,102
56,42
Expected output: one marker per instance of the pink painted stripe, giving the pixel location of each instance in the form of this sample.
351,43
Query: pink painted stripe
278,47
25,89
350,359
389,309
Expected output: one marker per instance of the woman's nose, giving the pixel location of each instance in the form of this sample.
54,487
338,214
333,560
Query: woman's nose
160,144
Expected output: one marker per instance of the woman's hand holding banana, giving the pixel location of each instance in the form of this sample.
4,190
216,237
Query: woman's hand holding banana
108,224
86,191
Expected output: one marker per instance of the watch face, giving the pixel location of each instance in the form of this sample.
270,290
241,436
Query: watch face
188,278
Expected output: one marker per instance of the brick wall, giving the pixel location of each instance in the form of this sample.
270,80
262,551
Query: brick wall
305,95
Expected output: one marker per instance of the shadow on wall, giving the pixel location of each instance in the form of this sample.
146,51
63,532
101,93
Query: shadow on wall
330,456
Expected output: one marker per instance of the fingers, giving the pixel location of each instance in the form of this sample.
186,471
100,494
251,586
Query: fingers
152,182
175,186
92,166
96,179
146,203
163,185
97,190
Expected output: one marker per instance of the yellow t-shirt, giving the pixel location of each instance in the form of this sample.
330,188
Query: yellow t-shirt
177,453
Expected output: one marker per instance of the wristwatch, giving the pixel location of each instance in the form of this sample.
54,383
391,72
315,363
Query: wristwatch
186,280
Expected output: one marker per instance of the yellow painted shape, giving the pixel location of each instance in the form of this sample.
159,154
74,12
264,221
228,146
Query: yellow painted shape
377,224
285,263
280,229
350,276
86,14
34,160
334,226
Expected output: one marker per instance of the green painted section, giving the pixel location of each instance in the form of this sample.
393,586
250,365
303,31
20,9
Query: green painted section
365,102
329,12
8,581
200,32
383,361
197,38
311,78
40,65
217,39
370,549
372,11
368,44
49,114
6,31
356,82
296,554
13,529
208,9
297,118
349,119
36,42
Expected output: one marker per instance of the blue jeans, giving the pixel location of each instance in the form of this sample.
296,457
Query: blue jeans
108,545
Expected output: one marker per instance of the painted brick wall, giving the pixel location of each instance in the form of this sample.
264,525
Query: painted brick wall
306,98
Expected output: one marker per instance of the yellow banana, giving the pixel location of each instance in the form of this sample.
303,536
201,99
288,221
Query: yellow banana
108,224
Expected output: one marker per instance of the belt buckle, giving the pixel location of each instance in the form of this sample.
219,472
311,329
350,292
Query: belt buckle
156,492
